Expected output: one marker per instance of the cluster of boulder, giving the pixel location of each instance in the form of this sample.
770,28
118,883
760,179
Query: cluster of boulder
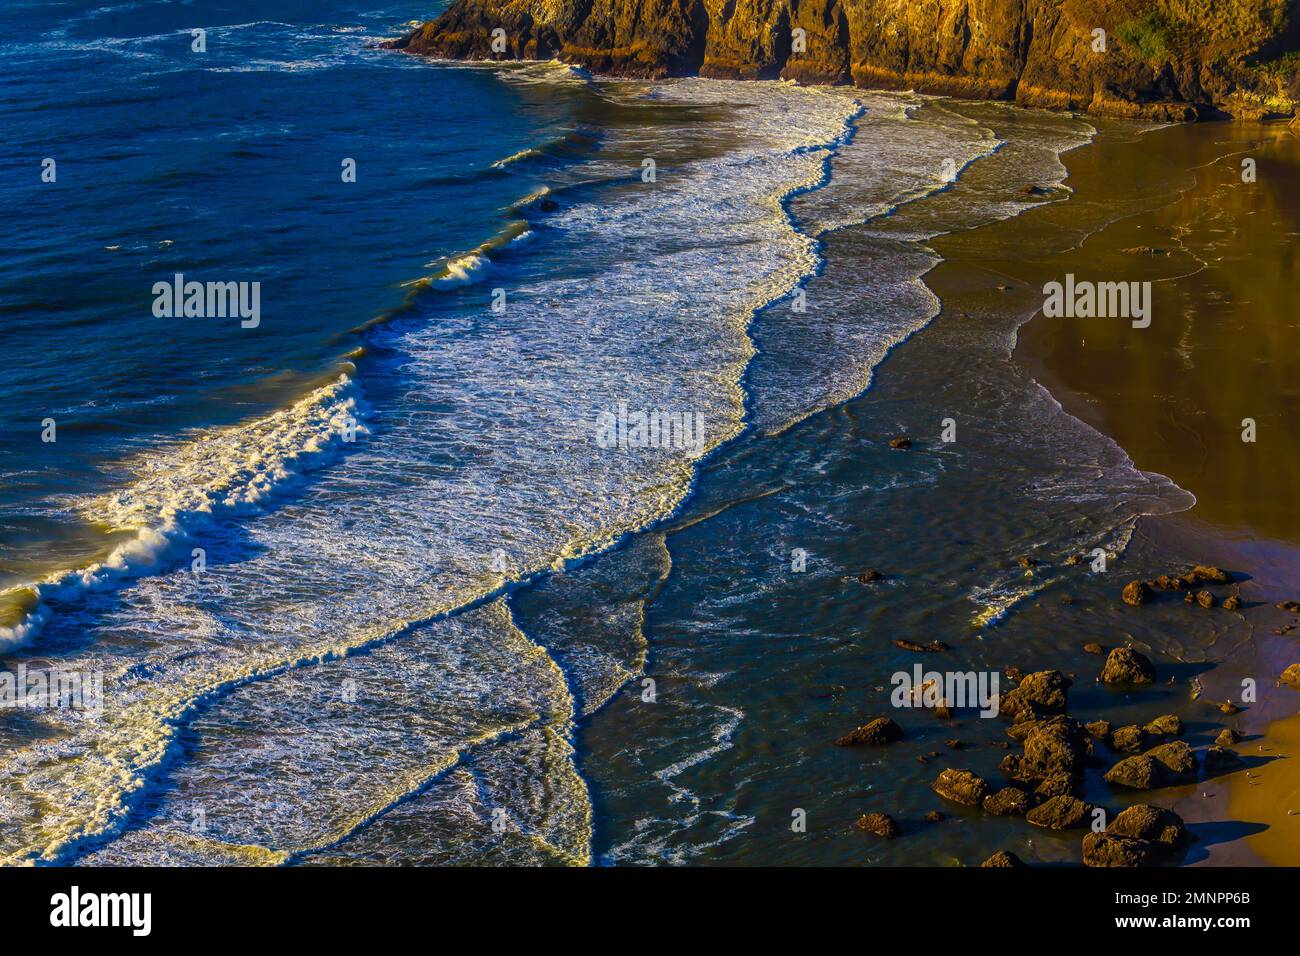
1137,593
1045,778
1141,835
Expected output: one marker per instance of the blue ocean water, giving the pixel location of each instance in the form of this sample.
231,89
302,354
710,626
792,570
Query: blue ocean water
224,165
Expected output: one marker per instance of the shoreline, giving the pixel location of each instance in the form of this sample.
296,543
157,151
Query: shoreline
1266,566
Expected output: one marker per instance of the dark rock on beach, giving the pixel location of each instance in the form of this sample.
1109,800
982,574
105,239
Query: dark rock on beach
1221,758
1003,859
1098,729
901,443
1142,821
1227,738
934,647
1137,593
1056,747
1059,785
1128,740
1206,574
869,576
1142,835
961,786
1094,648
1105,849
1167,725
1039,694
1126,666
880,731
1163,766
881,824
1062,812
1008,800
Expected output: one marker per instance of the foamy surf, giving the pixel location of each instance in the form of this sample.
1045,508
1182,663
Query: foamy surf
176,492
484,472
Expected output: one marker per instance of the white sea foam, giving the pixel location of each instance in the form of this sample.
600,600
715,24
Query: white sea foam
175,492
481,472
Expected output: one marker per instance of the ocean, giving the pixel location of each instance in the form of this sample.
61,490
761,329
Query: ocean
363,582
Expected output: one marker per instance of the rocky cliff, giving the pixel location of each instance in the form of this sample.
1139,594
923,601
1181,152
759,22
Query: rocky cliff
1163,59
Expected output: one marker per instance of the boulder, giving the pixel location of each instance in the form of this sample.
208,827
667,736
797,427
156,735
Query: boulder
1006,801
882,730
1054,747
1205,599
1094,648
1039,694
934,647
1227,738
1231,602
869,576
900,444
1167,725
961,786
1128,740
1205,574
1098,729
1137,593
1162,766
1126,666
881,824
1142,821
1059,785
1106,849
1060,813
1291,676
1221,758
1003,859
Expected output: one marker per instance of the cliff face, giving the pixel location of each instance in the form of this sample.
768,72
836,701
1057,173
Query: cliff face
1162,59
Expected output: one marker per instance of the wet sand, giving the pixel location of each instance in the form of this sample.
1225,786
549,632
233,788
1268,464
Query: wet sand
1223,346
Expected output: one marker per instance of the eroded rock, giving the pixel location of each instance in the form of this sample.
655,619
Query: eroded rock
1007,801
1137,593
1003,859
881,824
1126,666
880,731
1163,766
961,786
1060,813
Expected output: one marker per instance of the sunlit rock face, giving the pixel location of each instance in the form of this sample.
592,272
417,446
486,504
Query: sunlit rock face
1168,59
